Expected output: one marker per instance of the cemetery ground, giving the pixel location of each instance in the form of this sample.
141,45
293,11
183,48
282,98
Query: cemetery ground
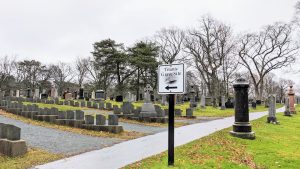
44,156
275,146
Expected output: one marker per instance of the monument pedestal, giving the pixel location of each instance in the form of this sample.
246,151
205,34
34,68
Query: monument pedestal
148,110
242,127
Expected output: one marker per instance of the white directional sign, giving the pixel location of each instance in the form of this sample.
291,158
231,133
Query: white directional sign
171,79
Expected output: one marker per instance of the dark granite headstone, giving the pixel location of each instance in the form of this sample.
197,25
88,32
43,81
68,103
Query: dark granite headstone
89,119
79,115
12,132
113,119
100,119
3,131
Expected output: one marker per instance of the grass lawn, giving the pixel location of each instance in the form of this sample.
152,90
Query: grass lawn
59,107
32,158
275,146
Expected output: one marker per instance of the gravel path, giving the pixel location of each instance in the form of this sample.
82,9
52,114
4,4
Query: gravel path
57,141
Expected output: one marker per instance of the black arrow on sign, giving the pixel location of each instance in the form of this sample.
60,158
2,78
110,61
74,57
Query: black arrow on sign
171,87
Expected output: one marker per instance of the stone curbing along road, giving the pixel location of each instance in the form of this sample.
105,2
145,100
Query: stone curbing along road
132,151
57,141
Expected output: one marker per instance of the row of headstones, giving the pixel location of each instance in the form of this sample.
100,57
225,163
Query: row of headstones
97,105
10,141
128,109
43,114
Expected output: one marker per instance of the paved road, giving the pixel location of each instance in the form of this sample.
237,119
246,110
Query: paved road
131,151
57,141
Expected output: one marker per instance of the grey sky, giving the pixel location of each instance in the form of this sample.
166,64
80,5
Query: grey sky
61,30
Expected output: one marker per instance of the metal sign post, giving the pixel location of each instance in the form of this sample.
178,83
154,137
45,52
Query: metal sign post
171,80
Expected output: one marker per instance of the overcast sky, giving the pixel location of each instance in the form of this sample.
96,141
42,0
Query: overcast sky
61,30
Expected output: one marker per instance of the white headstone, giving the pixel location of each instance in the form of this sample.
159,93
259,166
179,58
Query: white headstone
17,93
223,103
54,93
93,95
203,101
11,93
36,93
147,91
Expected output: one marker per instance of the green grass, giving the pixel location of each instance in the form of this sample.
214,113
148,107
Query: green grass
59,107
32,158
275,146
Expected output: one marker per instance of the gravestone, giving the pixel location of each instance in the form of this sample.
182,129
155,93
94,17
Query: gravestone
101,105
133,97
12,132
272,110
95,105
128,97
10,142
68,96
17,93
79,115
203,101
108,106
148,109
113,119
54,93
287,107
99,95
28,93
81,93
159,111
208,101
193,102
291,95
93,95
43,96
223,103
189,112
3,131
89,104
89,119
82,104
127,108
242,127
100,119
164,100
119,98
178,112
253,104
70,114
229,103
36,94
11,93
116,109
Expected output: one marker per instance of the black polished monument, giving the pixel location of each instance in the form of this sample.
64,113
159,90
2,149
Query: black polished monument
242,127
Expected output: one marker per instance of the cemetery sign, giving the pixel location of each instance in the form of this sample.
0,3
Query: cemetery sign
171,79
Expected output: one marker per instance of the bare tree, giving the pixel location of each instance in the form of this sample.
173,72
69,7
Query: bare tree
283,86
82,65
170,42
209,45
262,52
7,67
62,74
